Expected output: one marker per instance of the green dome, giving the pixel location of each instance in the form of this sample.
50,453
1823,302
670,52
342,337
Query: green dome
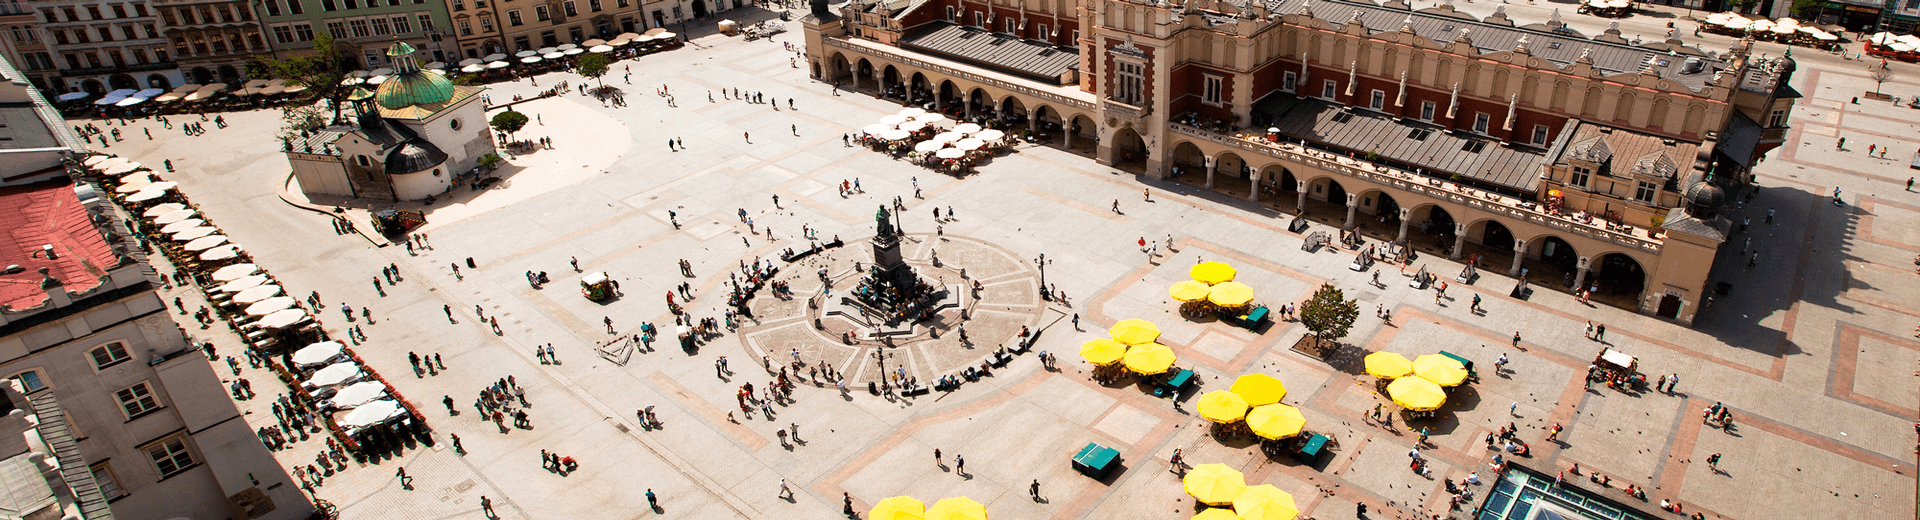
414,88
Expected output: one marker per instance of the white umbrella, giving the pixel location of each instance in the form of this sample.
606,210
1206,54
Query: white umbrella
164,209
382,71
256,294
130,101
990,135
951,153
526,53
893,120
913,112
235,272
70,96
334,374
530,59
1880,38
241,284
498,65
928,146
969,144
571,52
183,225
548,50
932,119
567,46
109,162
206,242
1785,29
318,353
477,67
495,57
913,125
372,413
131,187
967,128
162,186
1909,39
282,319
121,168
895,135
877,129
471,61
601,48
664,36
221,253
376,80
554,55
948,137
194,233
95,160
269,306
358,394
177,217
1825,36
1901,47
150,92
146,196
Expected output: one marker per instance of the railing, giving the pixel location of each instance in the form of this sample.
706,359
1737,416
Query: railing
1125,109
994,82
1431,187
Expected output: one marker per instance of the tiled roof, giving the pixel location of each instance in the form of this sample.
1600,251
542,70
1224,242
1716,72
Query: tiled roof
998,51
1435,150
34,216
1678,220
1611,53
1740,139
1631,153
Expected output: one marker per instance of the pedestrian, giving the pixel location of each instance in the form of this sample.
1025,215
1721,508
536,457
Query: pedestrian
1035,490
747,137
1516,339
1713,461
406,482
486,506
1672,381
785,492
457,448
937,461
1175,461
1116,205
1600,332
959,465
1514,409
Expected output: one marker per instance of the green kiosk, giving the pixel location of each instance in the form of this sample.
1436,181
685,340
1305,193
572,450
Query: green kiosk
1096,461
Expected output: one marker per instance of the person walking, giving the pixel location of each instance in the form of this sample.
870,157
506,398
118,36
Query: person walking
406,482
1713,461
959,465
1034,490
486,507
785,492
937,461
1116,205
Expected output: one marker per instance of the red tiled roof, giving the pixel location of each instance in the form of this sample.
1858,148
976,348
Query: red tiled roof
35,215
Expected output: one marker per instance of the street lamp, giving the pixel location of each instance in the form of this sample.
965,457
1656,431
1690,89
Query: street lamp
1042,262
680,5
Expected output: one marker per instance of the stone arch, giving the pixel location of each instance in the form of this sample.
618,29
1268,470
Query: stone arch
1492,234
1128,151
122,81
1623,109
1429,223
229,74
1658,118
1529,89
1229,164
918,83
159,81
1560,94
1086,132
1552,250
1276,179
1620,277
1012,110
949,95
1327,189
980,99
862,72
93,86
1377,201
890,77
1696,115
1187,159
839,69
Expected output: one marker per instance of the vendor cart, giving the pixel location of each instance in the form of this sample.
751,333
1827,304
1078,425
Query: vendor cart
393,222
596,286
1096,461
1618,370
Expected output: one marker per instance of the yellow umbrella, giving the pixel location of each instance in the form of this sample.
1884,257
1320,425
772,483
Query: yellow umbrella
1416,394
898,508
1134,332
1276,421
957,508
1103,351
1211,273
1218,513
1441,370
1388,365
1259,389
1150,358
1214,484
1189,291
1265,502
1231,294
1222,406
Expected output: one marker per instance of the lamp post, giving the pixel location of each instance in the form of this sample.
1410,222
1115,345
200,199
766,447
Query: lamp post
1042,262
680,5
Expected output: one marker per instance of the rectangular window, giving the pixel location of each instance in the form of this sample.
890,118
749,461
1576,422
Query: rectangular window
1044,35
1426,110
140,56
119,11
380,27
401,25
390,3
1644,192
1578,176
337,29
1328,88
93,12
373,57
426,22
140,10
979,19
1007,26
73,61
571,12
466,29
593,5
459,5
106,33
1129,83
950,13
1211,93
303,31
1779,117
137,400
621,4
358,28
294,7
327,5
103,475
1480,122
30,380
273,7
540,13
59,36
1539,135
108,355
282,34
486,24
352,4
151,34
170,455
513,18
1378,100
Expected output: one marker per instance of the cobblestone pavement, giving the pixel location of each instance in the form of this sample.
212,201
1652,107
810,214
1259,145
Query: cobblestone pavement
1811,349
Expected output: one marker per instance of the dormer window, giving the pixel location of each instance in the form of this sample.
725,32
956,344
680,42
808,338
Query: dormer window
1577,175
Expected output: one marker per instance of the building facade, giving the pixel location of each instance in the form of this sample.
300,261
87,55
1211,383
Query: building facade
488,27
1526,149
213,40
103,46
365,27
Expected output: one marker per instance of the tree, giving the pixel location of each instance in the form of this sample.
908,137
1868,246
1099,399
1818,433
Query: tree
509,122
1880,74
300,120
321,72
1808,9
594,65
1329,314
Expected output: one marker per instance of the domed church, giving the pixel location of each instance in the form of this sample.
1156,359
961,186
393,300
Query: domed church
414,137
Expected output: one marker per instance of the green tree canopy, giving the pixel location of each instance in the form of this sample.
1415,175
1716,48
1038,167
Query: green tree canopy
320,72
509,122
1329,314
594,65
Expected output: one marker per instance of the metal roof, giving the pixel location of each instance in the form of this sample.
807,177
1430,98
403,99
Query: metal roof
1611,53
998,51
1437,150
1628,154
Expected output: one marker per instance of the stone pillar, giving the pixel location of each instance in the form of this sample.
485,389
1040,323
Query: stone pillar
1212,164
1519,255
969,107
1580,277
1066,134
1301,186
1459,242
1353,208
1253,189
939,102
1403,226
1033,121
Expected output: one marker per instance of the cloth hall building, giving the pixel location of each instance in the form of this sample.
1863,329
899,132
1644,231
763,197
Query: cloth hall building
1527,149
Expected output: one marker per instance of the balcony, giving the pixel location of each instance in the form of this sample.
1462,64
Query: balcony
1410,182
1125,110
